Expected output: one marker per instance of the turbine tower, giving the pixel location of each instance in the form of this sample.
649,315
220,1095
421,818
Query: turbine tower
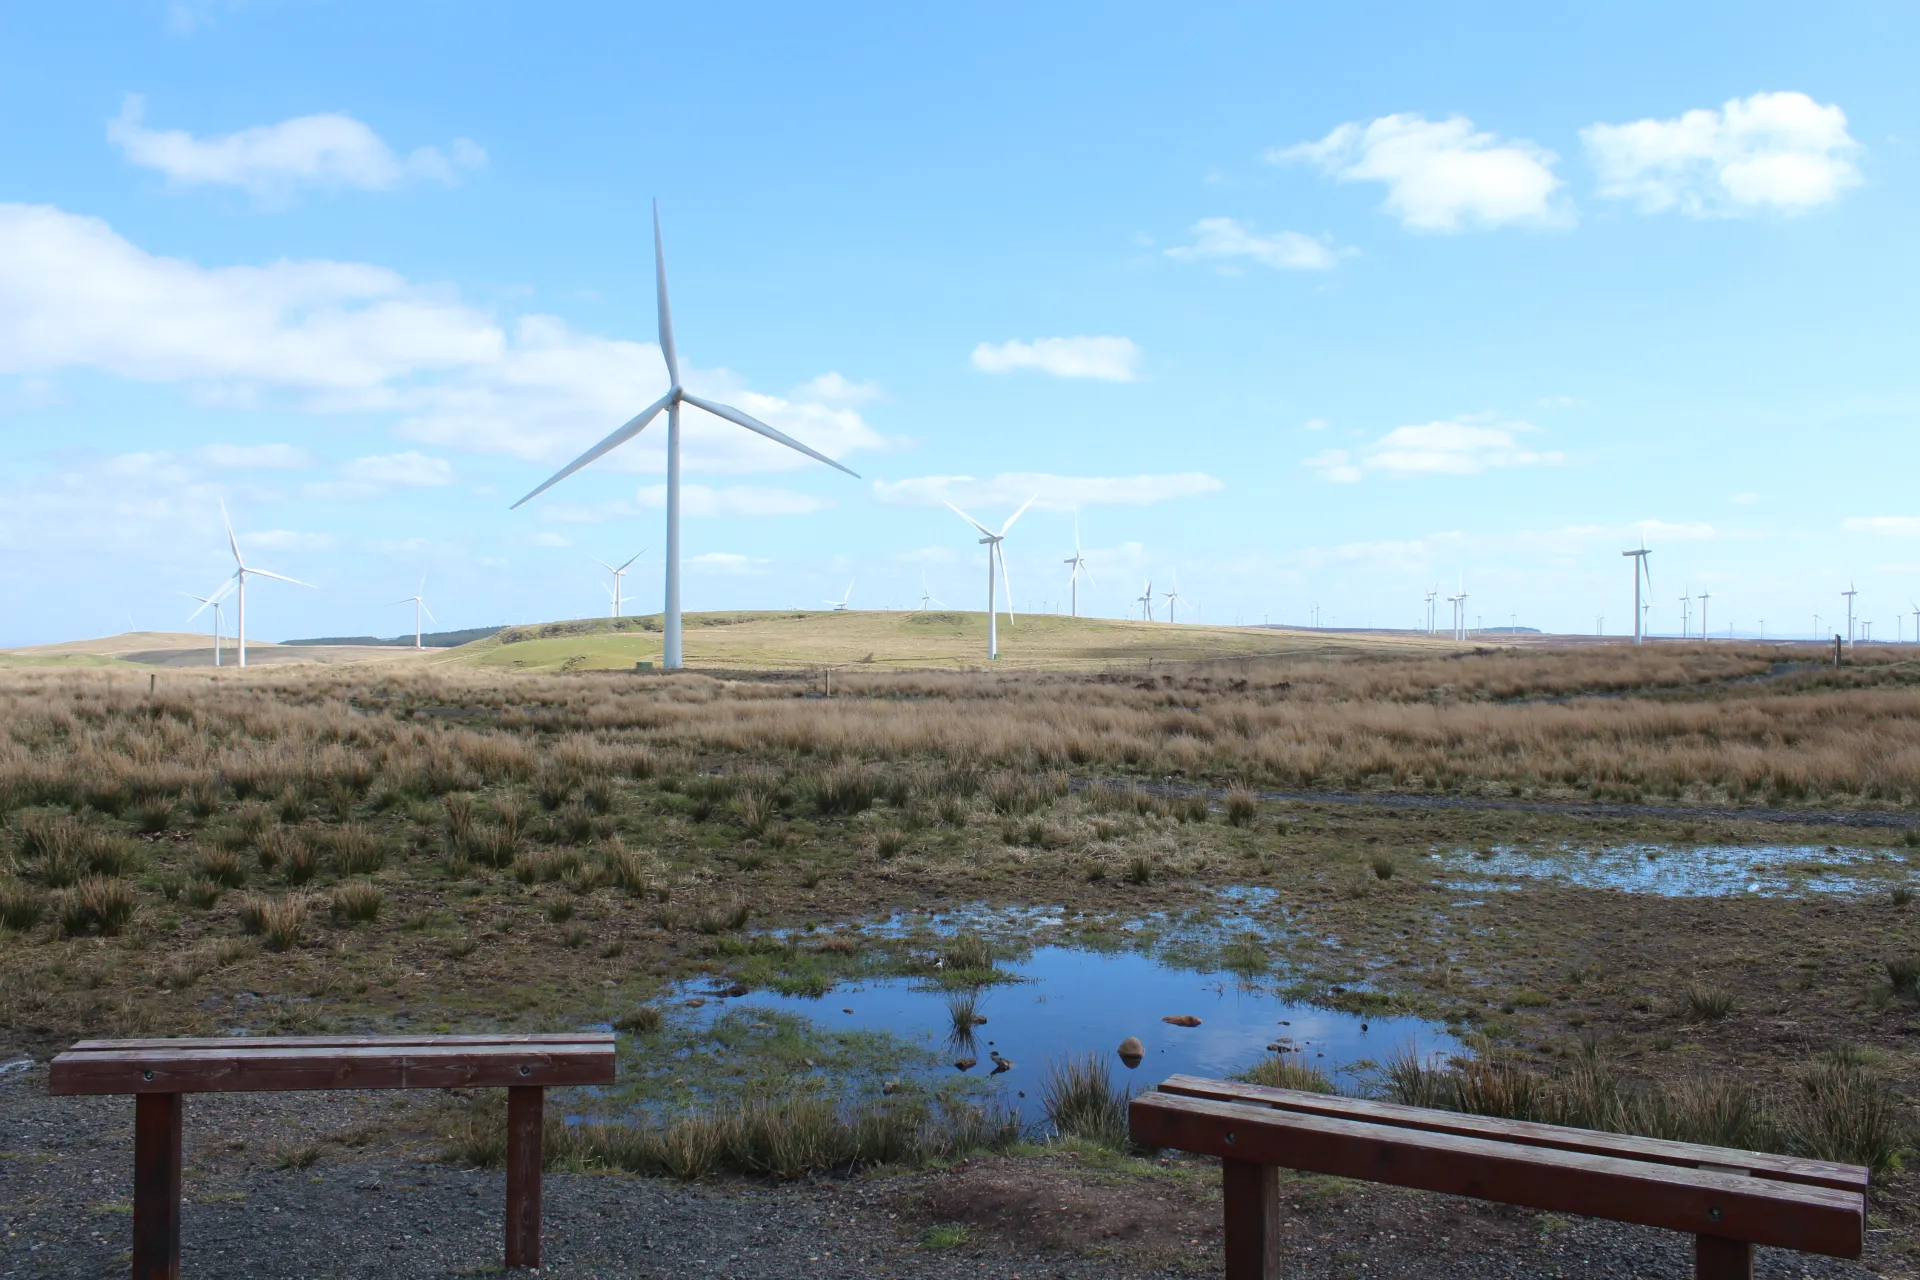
419,603
214,601
671,655
1686,612
840,605
619,577
1640,570
1146,602
991,541
1704,597
1431,595
1076,566
1174,598
241,572
1850,593
926,595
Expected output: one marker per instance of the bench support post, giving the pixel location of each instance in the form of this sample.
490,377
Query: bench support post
526,1105
1718,1258
156,1186
1252,1200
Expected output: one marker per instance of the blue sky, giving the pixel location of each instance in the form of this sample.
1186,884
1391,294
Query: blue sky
1310,309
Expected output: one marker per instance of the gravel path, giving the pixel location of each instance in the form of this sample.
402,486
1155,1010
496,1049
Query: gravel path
375,1205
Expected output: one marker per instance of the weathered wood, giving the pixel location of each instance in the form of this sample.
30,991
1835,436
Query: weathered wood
1718,1258
1814,1173
525,1118
1811,1219
156,1186
211,1067
343,1042
1251,1195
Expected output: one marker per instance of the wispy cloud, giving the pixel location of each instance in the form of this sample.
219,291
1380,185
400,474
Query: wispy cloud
729,562
1884,526
255,457
1056,493
1227,241
410,469
1773,151
1108,359
330,150
1440,175
1457,447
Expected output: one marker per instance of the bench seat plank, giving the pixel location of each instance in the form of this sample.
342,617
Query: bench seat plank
345,1042
1758,1164
213,1067
1812,1219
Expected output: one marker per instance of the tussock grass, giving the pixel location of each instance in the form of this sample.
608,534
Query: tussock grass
1287,1071
277,922
967,953
357,902
102,903
1705,1002
1081,1102
1241,807
21,905
356,850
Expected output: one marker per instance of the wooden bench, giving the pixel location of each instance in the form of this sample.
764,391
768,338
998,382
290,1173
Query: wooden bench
159,1072
1729,1200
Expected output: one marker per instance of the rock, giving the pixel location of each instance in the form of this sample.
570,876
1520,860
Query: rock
965,1064
1181,1020
846,1011
1000,1064
890,1085
733,992
979,1019
1132,1052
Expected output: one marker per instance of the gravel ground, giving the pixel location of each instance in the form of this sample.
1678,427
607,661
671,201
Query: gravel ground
373,1203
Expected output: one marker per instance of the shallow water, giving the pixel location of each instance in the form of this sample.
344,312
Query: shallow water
1071,1002
1770,871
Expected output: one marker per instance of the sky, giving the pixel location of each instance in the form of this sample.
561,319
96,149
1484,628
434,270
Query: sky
1309,313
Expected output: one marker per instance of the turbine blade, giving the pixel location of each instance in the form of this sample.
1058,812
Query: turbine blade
634,426
603,564
969,519
391,603
281,577
204,603
666,313
232,541
752,423
1089,570
636,555
427,611
1016,515
1005,581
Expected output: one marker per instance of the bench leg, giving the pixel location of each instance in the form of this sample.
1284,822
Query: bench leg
1717,1258
156,1186
526,1105
1252,1195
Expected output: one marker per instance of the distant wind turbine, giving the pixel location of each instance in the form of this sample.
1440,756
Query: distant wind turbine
840,605
926,595
214,601
241,572
1850,593
619,579
1686,612
992,542
1173,598
1146,602
1431,597
671,655
419,603
1076,566
1704,597
1640,570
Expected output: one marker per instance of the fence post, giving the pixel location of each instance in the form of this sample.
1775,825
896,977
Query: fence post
1252,1202
156,1186
526,1105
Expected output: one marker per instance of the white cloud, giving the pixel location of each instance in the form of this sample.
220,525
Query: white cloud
727,562
1226,239
1440,175
411,468
1657,531
1779,151
353,338
255,457
733,500
549,540
329,150
1745,499
1057,493
1314,424
286,540
1457,447
1885,526
1109,359
926,555
834,389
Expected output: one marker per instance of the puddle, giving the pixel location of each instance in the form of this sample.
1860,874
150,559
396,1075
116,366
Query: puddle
1068,1002
1768,871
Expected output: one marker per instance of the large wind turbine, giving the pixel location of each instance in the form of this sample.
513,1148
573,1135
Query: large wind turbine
676,396
926,593
419,602
1174,598
214,601
1146,602
991,541
1850,593
1639,570
241,572
1704,597
1075,567
619,577
840,605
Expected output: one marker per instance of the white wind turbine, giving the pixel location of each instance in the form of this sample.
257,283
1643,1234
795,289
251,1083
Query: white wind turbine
619,578
213,600
1146,602
992,542
1076,566
241,572
840,605
1173,598
1850,593
1640,570
419,602
671,657
926,594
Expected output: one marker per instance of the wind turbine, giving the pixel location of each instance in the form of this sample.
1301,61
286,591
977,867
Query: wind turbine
241,572
419,603
926,596
840,605
1686,612
213,600
991,541
1431,595
1640,570
1075,566
1916,622
619,576
1704,597
1146,602
1850,593
671,657
1173,598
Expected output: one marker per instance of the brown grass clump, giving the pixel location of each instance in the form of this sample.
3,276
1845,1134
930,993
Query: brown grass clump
357,902
277,922
105,903
21,905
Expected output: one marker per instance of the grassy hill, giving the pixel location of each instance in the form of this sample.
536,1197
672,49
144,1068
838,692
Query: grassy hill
944,638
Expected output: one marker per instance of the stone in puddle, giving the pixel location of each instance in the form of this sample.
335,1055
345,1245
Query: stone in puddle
1181,1020
1132,1051
965,1064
